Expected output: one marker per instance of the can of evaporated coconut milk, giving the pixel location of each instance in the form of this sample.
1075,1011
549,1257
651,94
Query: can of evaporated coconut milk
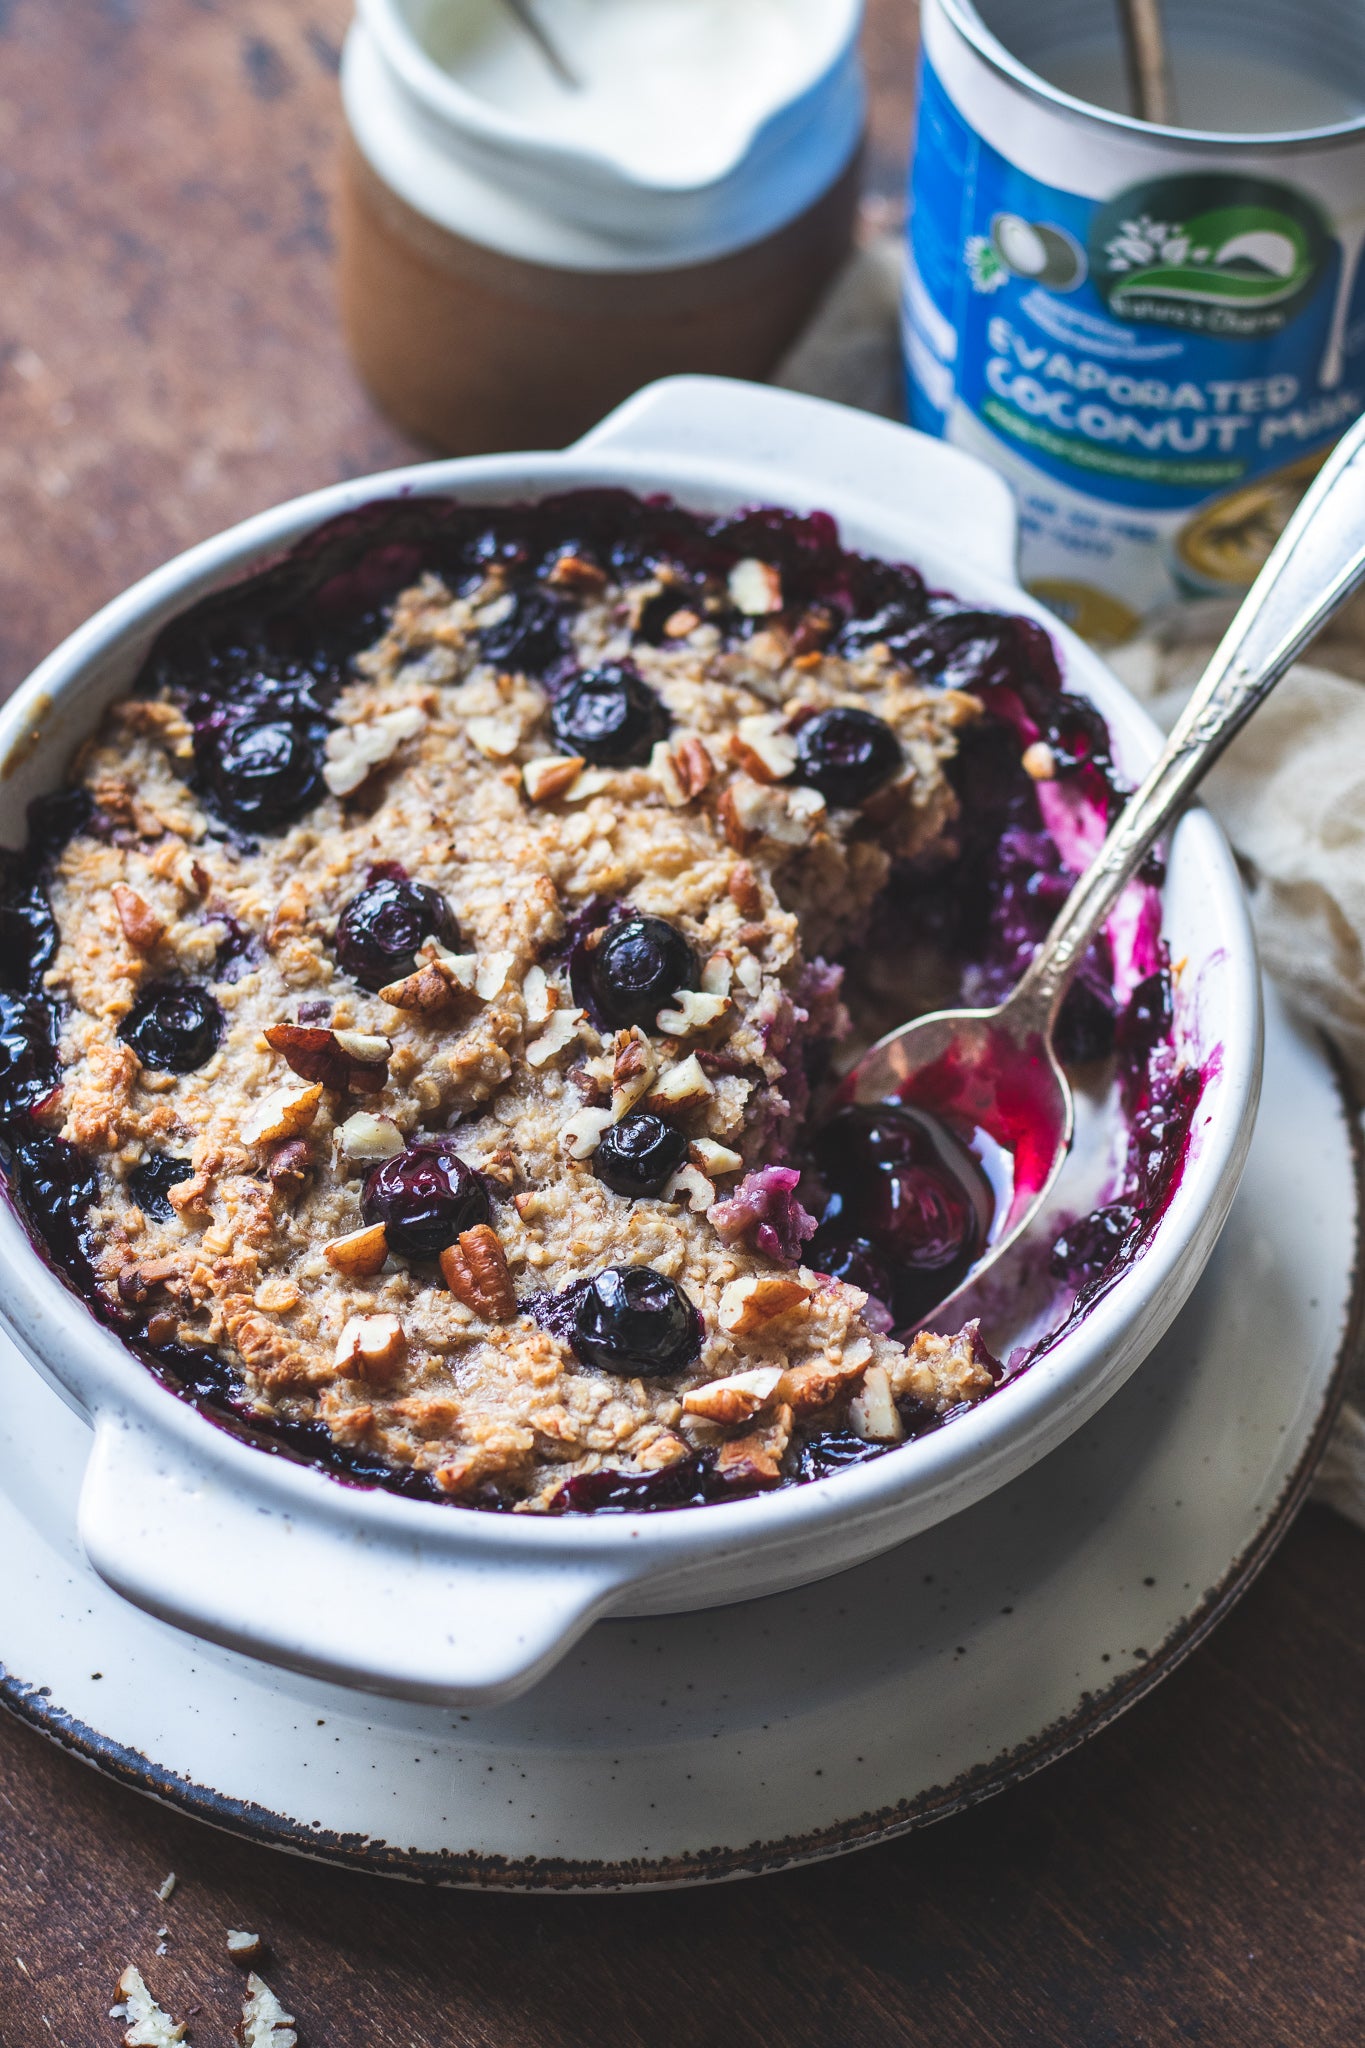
1155,333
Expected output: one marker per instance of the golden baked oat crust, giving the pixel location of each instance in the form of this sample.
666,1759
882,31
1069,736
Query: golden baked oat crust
442,765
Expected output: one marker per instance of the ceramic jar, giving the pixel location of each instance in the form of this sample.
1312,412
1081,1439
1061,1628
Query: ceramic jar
519,254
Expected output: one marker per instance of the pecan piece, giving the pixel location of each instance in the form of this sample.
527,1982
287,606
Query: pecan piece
430,987
360,1253
135,1283
575,572
756,1459
372,1347
346,1060
283,1113
748,1306
141,926
737,1398
475,1271
289,1166
745,893
549,776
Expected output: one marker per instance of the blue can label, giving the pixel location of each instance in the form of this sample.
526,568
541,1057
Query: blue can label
1158,373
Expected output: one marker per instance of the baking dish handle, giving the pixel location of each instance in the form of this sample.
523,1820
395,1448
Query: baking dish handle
964,510
196,1543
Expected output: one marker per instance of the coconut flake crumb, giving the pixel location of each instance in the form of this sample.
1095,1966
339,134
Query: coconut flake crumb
167,1886
148,2025
264,2022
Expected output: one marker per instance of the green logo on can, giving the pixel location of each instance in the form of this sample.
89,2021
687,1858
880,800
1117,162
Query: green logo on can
1211,254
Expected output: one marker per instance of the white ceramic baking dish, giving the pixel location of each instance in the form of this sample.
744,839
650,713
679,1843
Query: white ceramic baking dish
433,1602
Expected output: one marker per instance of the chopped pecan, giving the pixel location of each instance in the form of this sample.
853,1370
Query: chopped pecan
695,1011
750,811
813,630
432,986
737,1398
632,1070
756,1459
820,1381
680,1087
372,1347
141,925
549,776
693,764
562,1029
745,893
575,572
355,751
690,1184
291,913
737,833
135,1283
351,1060
872,1413
748,1306
680,623
289,1166
283,1113
367,1139
632,1058
763,749
475,1271
360,1253
581,1135
502,1167
755,587
714,1158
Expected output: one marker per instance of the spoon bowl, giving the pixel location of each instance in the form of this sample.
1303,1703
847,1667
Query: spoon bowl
996,1072
993,1077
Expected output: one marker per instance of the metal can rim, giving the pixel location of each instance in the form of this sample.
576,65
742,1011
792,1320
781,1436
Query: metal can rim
968,23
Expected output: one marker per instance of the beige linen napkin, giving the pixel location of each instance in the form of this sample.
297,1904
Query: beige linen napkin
1290,792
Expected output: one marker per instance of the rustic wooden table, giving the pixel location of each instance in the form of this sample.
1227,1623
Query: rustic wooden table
169,361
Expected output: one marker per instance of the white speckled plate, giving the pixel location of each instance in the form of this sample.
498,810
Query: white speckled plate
716,1744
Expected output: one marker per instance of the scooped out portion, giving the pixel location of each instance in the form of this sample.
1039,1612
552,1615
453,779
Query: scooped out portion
419,1011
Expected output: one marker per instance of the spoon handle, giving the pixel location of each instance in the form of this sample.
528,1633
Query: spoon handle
1318,561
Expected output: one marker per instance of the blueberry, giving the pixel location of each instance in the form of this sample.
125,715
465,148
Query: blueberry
28,938
639,1155
530,639
57,1184
633,1320
174,1026
846,754
424,1198
636,968
845,1256
380,929
910,1206
1092,1243
609,715
680,1485
263,771
150,1183
28,1057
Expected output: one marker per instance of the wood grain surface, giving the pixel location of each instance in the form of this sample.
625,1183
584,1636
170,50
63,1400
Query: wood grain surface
169,362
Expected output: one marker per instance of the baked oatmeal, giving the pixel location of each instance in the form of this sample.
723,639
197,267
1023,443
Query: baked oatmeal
412,1007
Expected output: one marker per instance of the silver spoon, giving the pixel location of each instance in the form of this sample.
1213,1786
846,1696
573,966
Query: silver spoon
997,1069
